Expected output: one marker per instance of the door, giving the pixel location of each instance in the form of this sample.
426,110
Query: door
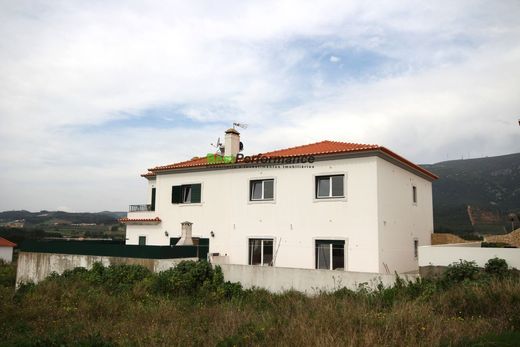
142,240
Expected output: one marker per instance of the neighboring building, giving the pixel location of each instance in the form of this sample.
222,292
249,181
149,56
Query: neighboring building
354,207
17,224
6,250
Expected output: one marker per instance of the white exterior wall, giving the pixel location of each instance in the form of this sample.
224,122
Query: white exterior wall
6,254
400,220
294,220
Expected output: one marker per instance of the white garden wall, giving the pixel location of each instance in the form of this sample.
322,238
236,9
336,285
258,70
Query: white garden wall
445,255
34,266
278,279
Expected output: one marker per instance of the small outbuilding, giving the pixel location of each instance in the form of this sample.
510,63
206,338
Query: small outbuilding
6,250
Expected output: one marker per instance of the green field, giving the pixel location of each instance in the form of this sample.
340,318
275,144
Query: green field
191,305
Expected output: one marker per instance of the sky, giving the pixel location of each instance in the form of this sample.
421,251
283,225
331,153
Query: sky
92,93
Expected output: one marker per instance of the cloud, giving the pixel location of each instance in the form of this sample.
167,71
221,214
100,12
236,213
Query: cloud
93,93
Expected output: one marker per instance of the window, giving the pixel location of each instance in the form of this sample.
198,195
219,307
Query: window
416,249
261,252
186,194
152,205
330,254
261,190
414,194
329,186
142,240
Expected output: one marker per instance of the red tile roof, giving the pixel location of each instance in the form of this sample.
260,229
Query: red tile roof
6,243
314,149
149,174
140,220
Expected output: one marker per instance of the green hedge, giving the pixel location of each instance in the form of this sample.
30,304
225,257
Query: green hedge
116,250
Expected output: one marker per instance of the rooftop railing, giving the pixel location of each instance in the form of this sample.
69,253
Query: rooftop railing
140,208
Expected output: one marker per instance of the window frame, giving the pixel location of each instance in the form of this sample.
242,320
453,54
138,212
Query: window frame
330,197
330,242
186,190
250,250
263,180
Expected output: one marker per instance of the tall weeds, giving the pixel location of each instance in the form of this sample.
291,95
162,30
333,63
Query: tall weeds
192,305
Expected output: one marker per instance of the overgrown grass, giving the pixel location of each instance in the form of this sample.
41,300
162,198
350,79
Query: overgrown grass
192,305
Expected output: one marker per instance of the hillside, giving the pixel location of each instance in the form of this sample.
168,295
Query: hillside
490,186
18,226
60,217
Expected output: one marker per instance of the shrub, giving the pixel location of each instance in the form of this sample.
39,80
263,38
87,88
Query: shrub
461,271
188,277
497,267
7,274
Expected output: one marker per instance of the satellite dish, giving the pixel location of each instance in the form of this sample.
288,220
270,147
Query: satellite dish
218,144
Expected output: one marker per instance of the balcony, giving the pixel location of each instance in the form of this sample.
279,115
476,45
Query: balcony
140,208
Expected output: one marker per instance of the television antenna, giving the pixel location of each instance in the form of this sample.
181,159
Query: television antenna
240,125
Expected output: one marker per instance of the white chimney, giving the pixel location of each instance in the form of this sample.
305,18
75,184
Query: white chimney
186,239
232,142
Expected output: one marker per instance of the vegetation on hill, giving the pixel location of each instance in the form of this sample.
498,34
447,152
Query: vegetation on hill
489,185
51,217
192,305
44,224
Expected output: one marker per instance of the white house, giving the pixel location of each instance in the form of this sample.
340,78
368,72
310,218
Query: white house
6,250
326,205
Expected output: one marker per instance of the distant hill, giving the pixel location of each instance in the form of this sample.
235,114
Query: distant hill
51,217
490,186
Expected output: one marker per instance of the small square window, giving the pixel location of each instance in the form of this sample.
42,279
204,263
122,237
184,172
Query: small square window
261,190
330,254
330,186
261,252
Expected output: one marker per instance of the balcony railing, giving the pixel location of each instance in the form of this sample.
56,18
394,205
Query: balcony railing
140,208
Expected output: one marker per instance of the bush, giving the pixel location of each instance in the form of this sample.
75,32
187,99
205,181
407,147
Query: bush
7,274
497,267
461,271
188,277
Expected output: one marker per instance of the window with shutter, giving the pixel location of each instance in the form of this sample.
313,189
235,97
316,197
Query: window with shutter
186,194
152,205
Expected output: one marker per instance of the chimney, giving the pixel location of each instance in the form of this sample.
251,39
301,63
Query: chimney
232,142
186,239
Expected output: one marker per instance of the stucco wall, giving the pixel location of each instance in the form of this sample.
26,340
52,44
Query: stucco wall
294,220
278,279
446,255
34,267
6,254
400,220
